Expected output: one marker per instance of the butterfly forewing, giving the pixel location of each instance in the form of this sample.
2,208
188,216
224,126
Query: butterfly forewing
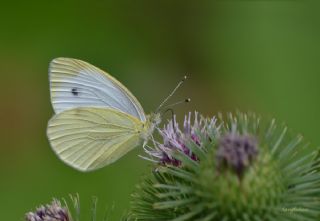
75,83
89,138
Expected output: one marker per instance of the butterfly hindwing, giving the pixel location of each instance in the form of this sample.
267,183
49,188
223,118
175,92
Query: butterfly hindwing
89,138
75,83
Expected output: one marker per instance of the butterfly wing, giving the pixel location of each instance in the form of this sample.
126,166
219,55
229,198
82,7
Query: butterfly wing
75,83
90,138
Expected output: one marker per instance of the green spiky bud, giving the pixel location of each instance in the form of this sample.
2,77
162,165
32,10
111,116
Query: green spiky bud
233,168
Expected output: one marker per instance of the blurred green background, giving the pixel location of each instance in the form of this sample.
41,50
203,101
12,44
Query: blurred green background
259,56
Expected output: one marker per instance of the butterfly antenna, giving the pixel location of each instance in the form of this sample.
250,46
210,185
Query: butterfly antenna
179,102
172,93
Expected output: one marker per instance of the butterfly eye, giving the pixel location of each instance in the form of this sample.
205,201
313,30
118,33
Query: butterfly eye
75,91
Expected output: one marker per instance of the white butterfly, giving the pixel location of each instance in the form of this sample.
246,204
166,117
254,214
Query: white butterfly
97,120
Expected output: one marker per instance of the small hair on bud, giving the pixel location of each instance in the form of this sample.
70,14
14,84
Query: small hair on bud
184,78
187,100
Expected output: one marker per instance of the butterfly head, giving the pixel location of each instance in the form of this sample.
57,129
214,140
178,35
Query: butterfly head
153,120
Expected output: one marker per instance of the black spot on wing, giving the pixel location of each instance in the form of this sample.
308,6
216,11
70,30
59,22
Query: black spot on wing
75,91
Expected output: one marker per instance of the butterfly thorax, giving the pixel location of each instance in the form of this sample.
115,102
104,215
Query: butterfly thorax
153,120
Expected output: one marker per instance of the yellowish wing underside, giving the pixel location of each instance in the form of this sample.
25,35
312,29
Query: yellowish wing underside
89,138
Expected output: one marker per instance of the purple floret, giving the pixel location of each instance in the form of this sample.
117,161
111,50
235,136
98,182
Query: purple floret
50,212
175,139
236,152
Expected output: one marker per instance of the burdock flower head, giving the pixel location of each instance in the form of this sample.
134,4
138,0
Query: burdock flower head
175,139
50,212
56,212
237,167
